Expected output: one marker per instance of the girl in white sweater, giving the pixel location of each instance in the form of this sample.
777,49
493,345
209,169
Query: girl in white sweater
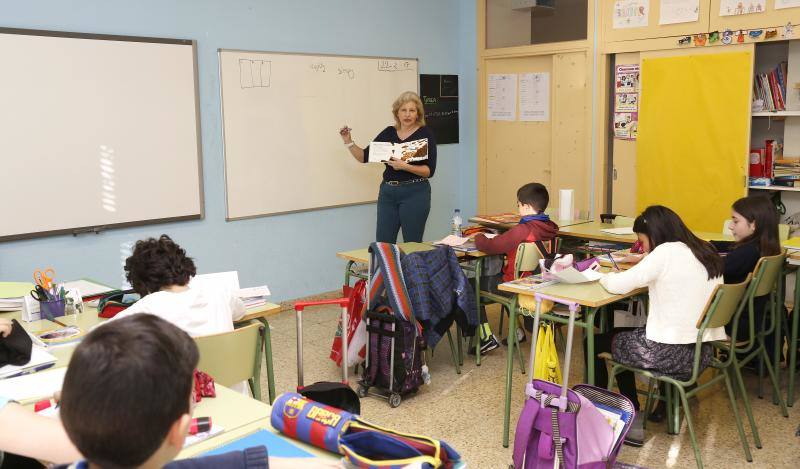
680,271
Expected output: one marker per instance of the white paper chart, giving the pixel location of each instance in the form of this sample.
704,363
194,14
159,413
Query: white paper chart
741,7
534,97
502,96
781,4
631,13
679,11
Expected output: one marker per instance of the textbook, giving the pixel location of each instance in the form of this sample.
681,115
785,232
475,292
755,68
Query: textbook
415,150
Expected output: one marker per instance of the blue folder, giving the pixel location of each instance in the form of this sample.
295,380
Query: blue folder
277,445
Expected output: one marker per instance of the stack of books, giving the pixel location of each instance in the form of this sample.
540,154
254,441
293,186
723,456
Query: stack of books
786,172
770,88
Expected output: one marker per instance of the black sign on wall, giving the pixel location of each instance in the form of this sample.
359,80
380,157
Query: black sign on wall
440,98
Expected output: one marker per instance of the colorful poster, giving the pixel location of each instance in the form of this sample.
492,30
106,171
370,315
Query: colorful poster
627,79
625,125
502,97
781,4
741,7
679,11
626,102
534,97
631,13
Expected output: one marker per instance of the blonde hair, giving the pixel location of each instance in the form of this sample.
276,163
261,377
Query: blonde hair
408,97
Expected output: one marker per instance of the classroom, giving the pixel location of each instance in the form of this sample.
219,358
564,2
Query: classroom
585,207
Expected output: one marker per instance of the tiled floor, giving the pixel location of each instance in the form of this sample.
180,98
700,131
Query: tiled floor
466,410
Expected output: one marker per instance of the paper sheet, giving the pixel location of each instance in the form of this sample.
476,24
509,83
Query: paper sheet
197,438
679,11
572,275
452,240
227,281
534,97
39,358
502,97
87,287
34,386
741,7
781,4
625,230
631,14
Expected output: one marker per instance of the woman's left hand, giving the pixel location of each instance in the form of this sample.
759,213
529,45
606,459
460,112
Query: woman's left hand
398,165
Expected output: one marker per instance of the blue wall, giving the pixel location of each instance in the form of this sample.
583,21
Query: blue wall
293,254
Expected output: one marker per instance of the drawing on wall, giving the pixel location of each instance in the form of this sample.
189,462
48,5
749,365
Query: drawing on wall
741,7
679,11
254,73
631,13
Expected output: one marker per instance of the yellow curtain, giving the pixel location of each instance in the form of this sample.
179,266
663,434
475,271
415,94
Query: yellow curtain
693,136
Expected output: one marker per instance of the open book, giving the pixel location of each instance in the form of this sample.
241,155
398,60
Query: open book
415,150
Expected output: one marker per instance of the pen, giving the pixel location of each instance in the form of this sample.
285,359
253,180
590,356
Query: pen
613,261
31,370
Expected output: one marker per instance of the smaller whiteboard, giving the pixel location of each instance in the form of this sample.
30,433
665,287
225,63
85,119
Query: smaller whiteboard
281,116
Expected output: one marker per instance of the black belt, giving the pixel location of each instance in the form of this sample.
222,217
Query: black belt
402,183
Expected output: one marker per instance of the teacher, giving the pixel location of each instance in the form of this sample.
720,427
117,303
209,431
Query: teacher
404,199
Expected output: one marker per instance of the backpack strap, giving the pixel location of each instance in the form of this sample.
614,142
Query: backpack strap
548,252
385,260
523,437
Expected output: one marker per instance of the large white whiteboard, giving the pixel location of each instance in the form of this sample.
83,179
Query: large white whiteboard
96,131
282,113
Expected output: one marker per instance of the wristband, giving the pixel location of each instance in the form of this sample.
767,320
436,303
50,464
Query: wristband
348,145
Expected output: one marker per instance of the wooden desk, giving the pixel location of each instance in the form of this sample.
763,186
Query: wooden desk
591,295
508,225
89,319
592,232
239,416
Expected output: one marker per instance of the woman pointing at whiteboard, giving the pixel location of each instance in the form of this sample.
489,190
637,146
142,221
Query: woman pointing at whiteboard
404,199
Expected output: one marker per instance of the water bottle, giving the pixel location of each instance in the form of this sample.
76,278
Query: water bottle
456,225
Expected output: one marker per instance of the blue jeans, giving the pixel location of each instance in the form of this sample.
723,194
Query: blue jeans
405,206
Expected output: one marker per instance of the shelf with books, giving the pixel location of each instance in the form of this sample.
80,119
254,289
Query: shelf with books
776,114
776,188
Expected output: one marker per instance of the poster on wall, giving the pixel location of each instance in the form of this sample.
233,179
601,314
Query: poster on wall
502,97
625,125
440,99
741,7
631,14
534,97
626,101
679,11
781,4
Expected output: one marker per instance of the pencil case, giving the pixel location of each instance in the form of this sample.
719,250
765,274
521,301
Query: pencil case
303,419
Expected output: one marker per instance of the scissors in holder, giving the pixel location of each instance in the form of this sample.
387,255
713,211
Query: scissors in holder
44,277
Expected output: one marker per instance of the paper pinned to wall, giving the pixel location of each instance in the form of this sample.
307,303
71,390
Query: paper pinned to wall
741,7
679,11
781,4
534,97
502,96
631,14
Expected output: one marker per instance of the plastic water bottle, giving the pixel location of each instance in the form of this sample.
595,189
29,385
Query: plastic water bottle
456,225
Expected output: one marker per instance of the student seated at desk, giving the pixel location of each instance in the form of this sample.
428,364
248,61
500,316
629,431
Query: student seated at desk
754,224
22,432
680,271
160,271
535,225
127,400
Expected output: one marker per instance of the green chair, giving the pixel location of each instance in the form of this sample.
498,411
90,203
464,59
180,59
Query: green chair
765,277
233,357
726,302
526,260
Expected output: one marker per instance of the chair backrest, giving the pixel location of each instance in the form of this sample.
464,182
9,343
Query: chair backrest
783,231
766,273
726,227
527,258
231,357
723,304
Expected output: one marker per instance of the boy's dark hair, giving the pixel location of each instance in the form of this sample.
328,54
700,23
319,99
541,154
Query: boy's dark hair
127,383
157,263
760,210
662,225
535,195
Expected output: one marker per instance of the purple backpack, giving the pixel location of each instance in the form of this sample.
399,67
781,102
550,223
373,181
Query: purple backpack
572,425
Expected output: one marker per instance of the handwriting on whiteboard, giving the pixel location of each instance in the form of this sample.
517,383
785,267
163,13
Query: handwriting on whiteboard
347,73
254,73
318,67
393,65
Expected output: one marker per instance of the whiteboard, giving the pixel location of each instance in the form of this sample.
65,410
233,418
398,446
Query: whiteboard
282,114
96,132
